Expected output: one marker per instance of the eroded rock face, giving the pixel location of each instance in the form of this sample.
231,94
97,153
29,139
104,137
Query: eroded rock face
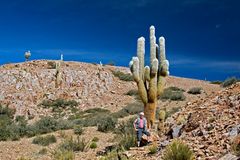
24,86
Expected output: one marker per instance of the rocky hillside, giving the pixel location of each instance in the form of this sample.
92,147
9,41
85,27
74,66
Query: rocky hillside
209,125
25,85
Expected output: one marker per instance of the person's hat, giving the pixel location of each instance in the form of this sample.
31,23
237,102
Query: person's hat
141,113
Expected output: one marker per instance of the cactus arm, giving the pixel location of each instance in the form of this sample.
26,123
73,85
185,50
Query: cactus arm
140,54
152,44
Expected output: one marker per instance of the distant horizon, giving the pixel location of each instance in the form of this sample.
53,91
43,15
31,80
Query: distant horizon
202,36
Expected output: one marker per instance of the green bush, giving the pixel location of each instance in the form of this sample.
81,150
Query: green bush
6,111
46,125
173,110
123,76
216,82
73,145
78,129
44,141
51,65
106,124
174,88
130,109
93,145
132,92
177,150
58,104
229,81
172,94
153,149
125,127
127,141
195,90
43,151
95,139
63,155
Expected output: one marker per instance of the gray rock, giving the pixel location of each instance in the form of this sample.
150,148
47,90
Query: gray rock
234,131
229,156
176,131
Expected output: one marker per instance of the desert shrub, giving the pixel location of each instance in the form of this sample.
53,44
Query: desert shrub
97,110
216,82
43,151
132,92
46,125
6,111
73,145
127,141
177,150
113,155
51,65
229,81
23,158
235,146
174,88
93,145
78,129
123,76
44,141
173,110
153,149
63,155
106,123
58,104
172,94
95,139
125,127
195,90
130,109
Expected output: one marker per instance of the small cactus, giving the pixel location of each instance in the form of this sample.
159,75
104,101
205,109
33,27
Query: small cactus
27,55
161,123
58,74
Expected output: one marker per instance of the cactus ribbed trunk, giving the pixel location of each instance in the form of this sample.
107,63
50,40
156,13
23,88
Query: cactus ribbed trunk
149,111
150,79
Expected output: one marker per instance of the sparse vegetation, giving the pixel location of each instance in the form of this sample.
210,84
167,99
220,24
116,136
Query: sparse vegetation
132,92
177,150
172,93
235,146
43,151
130,109
106,124
95,139
216,82
78,129
58,104
51,65
123,76
93,145
229,81
195,90
173,110
153,149
73,145
44,140
63,155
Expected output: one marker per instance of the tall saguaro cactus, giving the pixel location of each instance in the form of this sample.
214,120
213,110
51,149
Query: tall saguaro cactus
150,80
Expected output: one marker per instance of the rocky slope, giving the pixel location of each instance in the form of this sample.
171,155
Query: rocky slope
211,123
25,85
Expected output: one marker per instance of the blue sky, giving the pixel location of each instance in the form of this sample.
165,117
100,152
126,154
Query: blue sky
202,36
